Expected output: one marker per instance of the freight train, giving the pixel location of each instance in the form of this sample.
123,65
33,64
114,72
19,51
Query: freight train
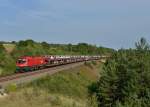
32,63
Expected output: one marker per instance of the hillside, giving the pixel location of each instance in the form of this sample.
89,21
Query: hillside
65,89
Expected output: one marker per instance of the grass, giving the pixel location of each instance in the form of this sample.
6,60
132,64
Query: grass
31,98
9,47
65,89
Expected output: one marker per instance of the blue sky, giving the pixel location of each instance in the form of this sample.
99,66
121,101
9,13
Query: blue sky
110,23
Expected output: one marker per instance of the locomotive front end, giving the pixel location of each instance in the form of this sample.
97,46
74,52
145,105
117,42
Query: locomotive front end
22,65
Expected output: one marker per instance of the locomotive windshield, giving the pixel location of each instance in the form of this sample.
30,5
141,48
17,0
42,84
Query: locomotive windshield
21,61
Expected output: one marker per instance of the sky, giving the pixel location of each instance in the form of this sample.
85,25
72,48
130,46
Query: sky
110,23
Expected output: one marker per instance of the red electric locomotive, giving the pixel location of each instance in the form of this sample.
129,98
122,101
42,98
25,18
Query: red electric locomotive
29,63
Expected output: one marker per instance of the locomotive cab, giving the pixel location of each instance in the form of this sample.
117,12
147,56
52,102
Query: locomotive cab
21,61
21,64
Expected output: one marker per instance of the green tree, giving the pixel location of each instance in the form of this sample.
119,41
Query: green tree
142,44
125,80
45,45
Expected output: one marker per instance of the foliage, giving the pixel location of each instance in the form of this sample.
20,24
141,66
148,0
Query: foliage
2,49
125,80
7,63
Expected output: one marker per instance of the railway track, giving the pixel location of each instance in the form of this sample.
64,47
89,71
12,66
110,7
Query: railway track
20,78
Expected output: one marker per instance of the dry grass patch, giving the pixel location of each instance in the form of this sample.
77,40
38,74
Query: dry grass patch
30,97
9,47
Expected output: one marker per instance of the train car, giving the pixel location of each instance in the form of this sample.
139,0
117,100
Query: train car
28,63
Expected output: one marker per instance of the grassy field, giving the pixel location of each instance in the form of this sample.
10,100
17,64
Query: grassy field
64,89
